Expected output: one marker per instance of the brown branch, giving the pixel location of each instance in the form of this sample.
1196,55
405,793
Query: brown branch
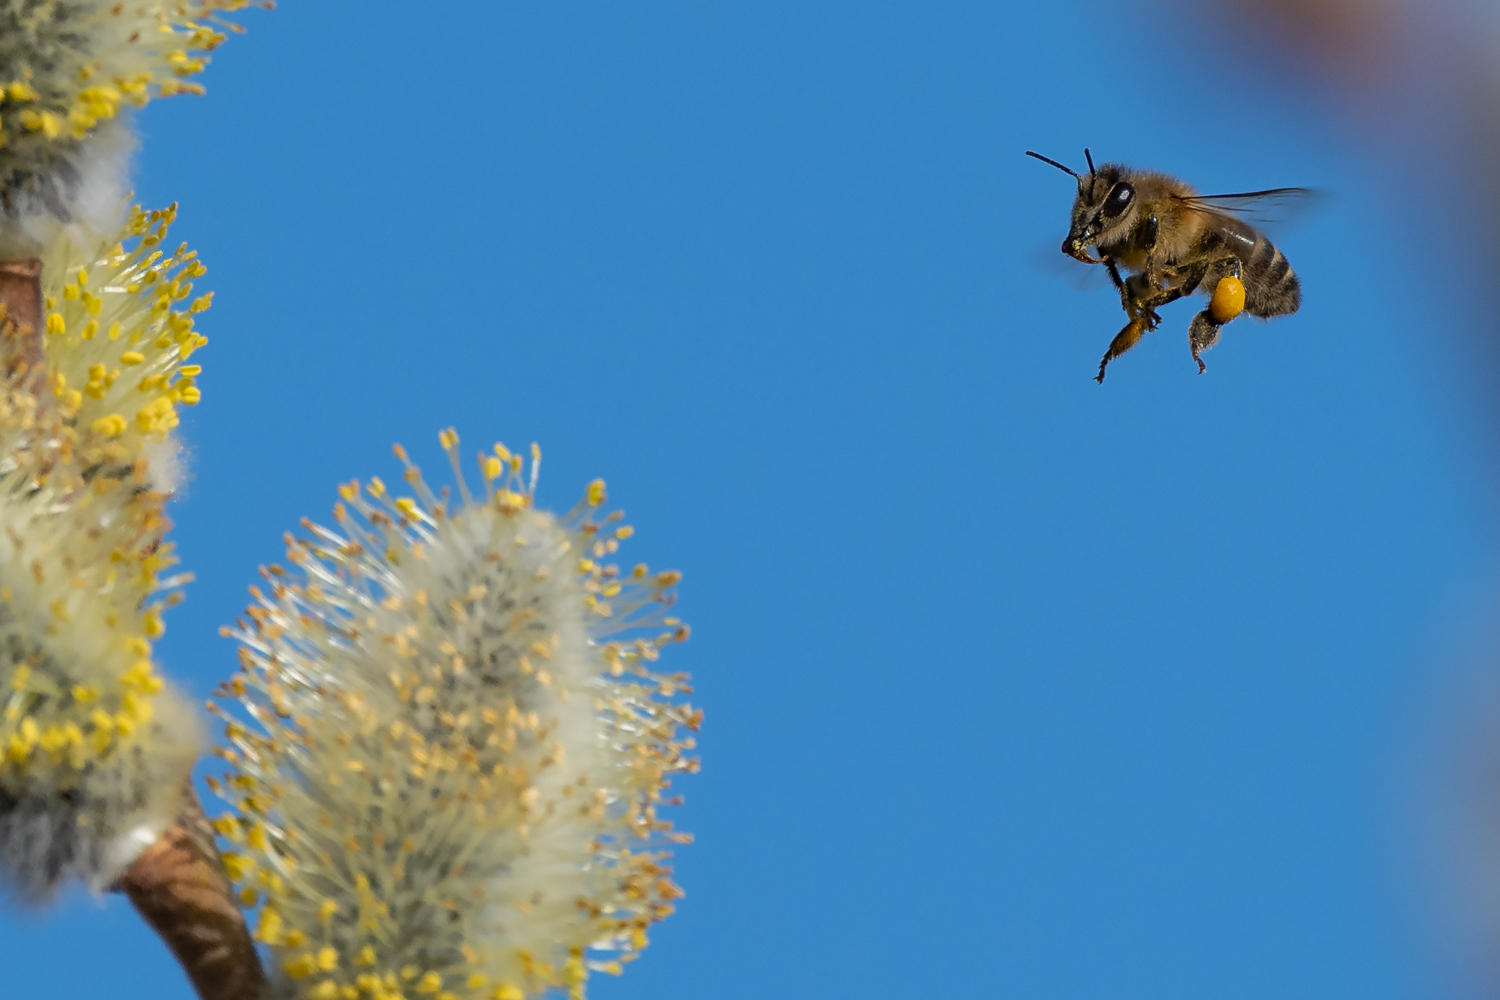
179,887
21,347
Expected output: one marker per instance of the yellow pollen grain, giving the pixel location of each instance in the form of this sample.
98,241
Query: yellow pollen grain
239,867
302,966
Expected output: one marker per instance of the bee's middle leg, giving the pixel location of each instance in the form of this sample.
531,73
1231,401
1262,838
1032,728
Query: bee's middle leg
1142,297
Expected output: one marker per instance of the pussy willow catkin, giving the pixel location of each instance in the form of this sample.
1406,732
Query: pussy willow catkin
69,70
459,745
94,746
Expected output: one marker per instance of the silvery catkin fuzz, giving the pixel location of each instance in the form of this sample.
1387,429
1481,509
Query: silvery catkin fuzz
460,748
94,746
68,71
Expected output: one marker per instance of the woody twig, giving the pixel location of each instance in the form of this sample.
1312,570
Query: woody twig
22,354
179,887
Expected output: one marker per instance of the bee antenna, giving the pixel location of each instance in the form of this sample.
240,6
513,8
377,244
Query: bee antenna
1090,157
1059,166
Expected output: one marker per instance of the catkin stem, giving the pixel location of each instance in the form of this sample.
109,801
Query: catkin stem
21,348
179,887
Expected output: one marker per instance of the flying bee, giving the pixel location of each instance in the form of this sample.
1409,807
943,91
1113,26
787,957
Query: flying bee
1173,242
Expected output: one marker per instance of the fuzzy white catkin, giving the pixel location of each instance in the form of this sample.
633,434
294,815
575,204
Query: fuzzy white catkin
70,70
94,746
454,787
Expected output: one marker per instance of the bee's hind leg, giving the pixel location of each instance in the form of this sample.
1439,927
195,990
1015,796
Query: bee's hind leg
1124,341
1204,331
1203,334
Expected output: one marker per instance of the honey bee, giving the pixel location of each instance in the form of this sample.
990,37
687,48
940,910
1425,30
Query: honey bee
1173,241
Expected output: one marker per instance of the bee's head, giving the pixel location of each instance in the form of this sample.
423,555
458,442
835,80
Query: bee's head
1103,210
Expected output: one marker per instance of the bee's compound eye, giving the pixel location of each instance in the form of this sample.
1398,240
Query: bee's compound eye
1119,199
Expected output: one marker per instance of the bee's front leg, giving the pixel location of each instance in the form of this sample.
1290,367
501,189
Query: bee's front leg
1140,299
1130,290
1148,289
1124,341
1126,338
1146,236
1114,273
1123,286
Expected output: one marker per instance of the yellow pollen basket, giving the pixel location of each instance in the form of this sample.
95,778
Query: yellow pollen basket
1228,299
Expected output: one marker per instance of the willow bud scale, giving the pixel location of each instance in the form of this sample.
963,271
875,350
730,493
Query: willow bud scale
453,786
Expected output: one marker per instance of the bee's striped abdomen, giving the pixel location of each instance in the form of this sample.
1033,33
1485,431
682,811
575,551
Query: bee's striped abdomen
1271,286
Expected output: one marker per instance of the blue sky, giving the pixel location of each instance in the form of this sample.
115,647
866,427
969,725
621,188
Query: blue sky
1016,685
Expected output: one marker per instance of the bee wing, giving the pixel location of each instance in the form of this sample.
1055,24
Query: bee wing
1274,206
